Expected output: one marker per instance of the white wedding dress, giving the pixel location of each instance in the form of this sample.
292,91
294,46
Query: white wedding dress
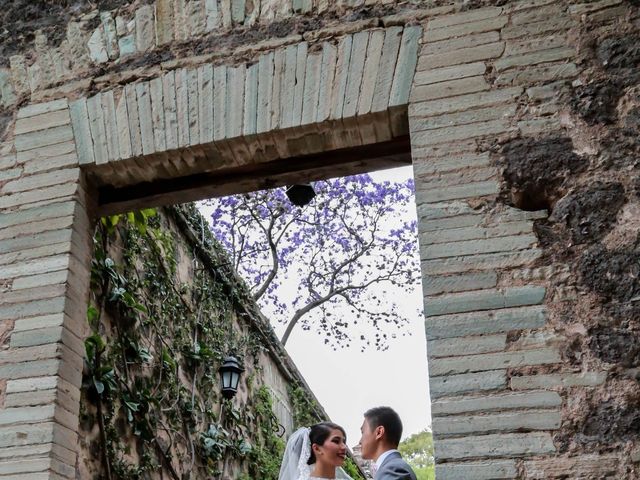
294,462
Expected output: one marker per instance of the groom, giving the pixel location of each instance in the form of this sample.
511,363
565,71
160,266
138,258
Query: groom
381,432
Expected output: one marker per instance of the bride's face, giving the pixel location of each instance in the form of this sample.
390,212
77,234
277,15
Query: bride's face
333,451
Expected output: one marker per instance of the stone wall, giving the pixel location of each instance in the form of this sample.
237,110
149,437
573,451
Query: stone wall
523,125
163,354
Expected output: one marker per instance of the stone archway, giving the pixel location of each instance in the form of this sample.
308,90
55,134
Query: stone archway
460,83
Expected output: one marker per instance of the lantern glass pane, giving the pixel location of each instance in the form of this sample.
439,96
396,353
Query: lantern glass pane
235,377
226,379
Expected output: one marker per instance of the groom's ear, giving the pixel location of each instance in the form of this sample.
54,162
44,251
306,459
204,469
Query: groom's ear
379,432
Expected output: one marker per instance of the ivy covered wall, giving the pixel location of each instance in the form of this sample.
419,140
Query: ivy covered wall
165,309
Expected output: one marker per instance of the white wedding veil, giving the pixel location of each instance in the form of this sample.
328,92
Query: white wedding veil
294,462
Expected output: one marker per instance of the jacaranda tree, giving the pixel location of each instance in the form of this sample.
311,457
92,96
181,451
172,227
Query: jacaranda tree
327,265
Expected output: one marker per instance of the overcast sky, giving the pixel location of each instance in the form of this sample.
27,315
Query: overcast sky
347,382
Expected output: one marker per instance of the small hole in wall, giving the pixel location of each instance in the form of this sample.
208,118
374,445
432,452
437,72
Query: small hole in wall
530,201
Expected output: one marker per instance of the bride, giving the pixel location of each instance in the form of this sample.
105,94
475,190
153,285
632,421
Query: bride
315,453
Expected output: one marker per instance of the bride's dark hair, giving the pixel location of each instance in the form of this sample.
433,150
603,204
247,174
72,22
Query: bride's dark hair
319,433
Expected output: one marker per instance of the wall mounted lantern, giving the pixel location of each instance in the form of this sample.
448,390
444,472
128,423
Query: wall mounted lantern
300,195
230,376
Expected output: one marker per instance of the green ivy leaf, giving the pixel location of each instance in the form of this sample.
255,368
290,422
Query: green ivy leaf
99,386
92,315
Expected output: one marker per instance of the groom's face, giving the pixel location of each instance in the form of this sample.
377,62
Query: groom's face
367,441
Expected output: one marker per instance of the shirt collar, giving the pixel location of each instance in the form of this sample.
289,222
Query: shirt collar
383,457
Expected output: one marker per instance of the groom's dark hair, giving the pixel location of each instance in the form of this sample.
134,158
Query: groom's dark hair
387,418
319,433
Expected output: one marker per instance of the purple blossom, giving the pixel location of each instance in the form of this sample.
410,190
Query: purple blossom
350,241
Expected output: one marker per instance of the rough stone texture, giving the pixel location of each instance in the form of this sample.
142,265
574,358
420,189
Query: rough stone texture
524,122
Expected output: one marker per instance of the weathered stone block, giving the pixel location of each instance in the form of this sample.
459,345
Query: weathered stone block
475,232
41,180
583,466
465,17
447,74
341,77
537,74
449,179
505,401
554,23
463,29
448,347
497,422
486,470
30,399
470,190
463,118
493,361
43,138
31,384
465,102
43,121
544,56
371,71
133,119
406,66
469,382
145,28
42,108
355,73
472,247
463,55
449,88
465,41
143,98
434,285
448,163
481,262
386,68
558,380
497,445
35,266
29,369
484,300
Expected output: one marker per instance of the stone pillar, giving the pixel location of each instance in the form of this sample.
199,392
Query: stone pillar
45,252
482,318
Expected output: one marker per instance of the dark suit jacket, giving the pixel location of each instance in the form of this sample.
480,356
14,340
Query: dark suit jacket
394,468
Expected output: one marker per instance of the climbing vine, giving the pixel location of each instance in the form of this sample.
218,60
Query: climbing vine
161,322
